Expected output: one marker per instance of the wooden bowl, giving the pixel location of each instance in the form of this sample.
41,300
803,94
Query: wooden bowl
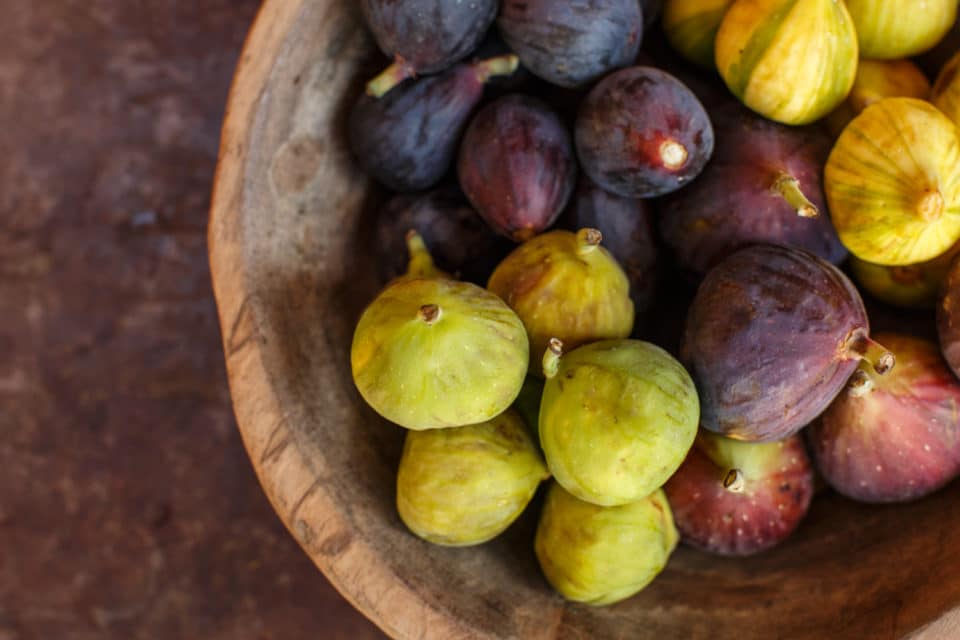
292,270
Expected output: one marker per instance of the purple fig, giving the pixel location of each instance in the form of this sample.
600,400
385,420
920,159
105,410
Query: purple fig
738,498
896,437
407,139
627,228
771,338
571,43
641,133
516,165
762,186
427,36
948,317
461,242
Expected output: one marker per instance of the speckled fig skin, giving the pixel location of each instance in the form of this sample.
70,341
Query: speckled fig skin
734,202
517,166
948,318
739,498
771,337
892,438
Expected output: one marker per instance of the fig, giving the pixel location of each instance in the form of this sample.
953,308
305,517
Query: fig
893,183
426,36
461,242
948,317
464,486
892,438
772,335
762,186
516,165
888,29
737,498
691,27
407,139
571,43
875,80
912,285
789,61
933,61
626,225
946,90
565,285
430,352
642,133
602,555
616,419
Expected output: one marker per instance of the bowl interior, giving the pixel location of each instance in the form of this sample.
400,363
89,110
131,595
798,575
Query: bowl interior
293,270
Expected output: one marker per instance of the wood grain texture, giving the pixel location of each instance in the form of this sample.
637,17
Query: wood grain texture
289,239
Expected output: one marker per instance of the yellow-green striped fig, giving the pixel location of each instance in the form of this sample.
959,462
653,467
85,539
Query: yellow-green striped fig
691,27
888,29
876,80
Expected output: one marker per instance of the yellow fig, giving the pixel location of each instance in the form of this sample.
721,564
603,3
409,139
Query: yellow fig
912,285
878,79
946,90
892,183
792,61
890,29
691,27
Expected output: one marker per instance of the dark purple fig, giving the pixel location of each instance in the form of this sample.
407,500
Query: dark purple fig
762,186
771,338
738,498
641,133
407,139
461,242
570,42
627,229
427,36
517,167
896,437
948,317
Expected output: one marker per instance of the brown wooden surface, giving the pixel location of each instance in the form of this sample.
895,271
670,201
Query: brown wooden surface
288,239
128,508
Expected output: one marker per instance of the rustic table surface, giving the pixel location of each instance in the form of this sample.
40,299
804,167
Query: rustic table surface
128,508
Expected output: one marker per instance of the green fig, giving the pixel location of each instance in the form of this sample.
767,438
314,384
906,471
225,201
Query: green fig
601,555
616,420
430,352
565,285
464,486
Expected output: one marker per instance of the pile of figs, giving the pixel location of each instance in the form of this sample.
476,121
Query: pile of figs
630,255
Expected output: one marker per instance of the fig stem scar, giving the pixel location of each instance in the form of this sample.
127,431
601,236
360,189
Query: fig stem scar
551,358
588,240
673,154
393,75
788,188
860,346
429,313
733,481
930,206
499,66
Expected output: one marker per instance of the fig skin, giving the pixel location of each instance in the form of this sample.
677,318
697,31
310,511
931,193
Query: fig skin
627,228
736,498
641,133
762,186
571,43
691,27
407,139
948,318
516,166
602,555
894,438
565,285
464,486
875,80
616,420
894,173
460,241
771,337
888,29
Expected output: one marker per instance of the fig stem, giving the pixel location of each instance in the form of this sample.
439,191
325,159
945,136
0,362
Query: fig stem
788,188
498,66
421,262
429,313
393,75
930,206
860,346
733,481
860,383
673,155
551,358
588,240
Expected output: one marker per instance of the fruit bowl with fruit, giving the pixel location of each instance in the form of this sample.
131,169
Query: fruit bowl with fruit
640,394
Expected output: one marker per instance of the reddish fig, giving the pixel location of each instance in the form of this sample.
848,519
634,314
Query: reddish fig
641,133
407,138
762,186
737,498
896,437
771,338
516,166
